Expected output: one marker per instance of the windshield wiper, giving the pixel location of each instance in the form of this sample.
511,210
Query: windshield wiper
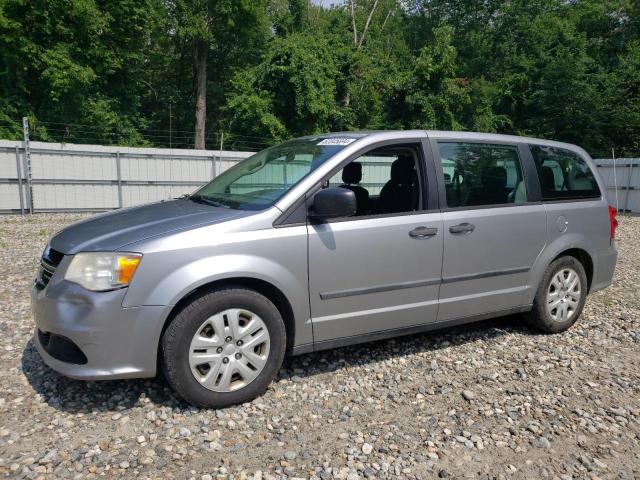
207,201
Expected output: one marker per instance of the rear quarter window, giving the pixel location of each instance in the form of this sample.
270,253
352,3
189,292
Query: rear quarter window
563,174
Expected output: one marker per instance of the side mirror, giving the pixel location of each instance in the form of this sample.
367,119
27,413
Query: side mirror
333,202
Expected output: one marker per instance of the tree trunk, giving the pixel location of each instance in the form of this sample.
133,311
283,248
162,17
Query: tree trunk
200,48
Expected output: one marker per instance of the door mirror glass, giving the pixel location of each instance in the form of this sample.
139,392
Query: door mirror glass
333,202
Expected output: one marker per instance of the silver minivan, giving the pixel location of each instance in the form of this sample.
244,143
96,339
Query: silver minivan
320,242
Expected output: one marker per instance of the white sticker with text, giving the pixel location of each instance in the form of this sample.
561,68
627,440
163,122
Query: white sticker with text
337,141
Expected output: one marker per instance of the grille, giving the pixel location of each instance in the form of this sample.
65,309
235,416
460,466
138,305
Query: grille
50,260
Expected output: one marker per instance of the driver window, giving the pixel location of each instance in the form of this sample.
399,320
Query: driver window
384,181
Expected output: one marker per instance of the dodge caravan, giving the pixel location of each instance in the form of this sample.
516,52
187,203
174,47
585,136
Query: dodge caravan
320,242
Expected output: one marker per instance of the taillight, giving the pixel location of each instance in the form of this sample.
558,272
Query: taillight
613,222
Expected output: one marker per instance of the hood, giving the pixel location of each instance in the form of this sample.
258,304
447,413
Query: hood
113,230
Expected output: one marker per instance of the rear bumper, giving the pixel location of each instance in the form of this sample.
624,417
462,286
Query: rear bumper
603,268
114,342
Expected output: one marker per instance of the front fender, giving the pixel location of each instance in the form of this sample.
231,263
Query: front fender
172,269
175,286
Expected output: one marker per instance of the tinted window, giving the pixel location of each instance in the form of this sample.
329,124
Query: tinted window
477,174
563,174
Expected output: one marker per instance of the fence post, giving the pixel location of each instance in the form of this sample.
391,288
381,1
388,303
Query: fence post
20,185
119,179
626,197
220,153
27,159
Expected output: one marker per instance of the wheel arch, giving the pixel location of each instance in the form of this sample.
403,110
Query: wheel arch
263,287
585,260
575,245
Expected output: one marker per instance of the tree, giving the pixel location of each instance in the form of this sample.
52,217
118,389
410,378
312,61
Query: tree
210,26
293,84
622,99
432,95
547,79
110,71
79,66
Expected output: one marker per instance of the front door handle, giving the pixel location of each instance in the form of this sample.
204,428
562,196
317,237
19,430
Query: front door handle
462,228
423,232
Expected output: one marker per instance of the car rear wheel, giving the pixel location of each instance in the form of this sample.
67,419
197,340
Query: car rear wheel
224,348
560,297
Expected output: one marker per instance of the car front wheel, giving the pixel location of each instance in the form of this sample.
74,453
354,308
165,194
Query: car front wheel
224,348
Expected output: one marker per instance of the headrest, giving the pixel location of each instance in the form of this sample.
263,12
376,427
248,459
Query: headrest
352,173
495,177
402,170
547,179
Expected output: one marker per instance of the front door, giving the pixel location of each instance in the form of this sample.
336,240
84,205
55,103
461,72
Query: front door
492,233
378,270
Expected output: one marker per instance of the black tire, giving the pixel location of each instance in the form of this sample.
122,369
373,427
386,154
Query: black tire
539,318
177,338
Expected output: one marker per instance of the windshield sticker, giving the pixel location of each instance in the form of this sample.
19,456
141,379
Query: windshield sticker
337,141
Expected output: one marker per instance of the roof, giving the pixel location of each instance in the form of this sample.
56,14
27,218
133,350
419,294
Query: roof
498,137
448,134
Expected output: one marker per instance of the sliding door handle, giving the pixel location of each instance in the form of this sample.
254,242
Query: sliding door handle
423,232
462,228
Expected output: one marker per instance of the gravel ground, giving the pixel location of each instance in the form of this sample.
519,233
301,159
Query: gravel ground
493,400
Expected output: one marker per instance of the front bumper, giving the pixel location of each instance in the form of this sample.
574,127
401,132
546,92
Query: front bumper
116,342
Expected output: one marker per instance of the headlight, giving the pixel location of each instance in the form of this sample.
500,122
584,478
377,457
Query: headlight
100,271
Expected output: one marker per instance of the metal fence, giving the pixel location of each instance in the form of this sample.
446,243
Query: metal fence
56,177
622,177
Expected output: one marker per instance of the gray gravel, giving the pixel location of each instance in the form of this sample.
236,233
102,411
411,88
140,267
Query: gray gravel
492,400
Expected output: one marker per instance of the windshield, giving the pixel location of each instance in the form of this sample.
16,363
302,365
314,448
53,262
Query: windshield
259,181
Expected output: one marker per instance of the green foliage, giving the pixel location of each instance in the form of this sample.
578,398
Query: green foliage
623,97
545,73
73,62
296,86
433,96
110,71
252,113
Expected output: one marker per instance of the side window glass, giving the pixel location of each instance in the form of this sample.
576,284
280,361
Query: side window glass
368,171
384,180
479,174
563,174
